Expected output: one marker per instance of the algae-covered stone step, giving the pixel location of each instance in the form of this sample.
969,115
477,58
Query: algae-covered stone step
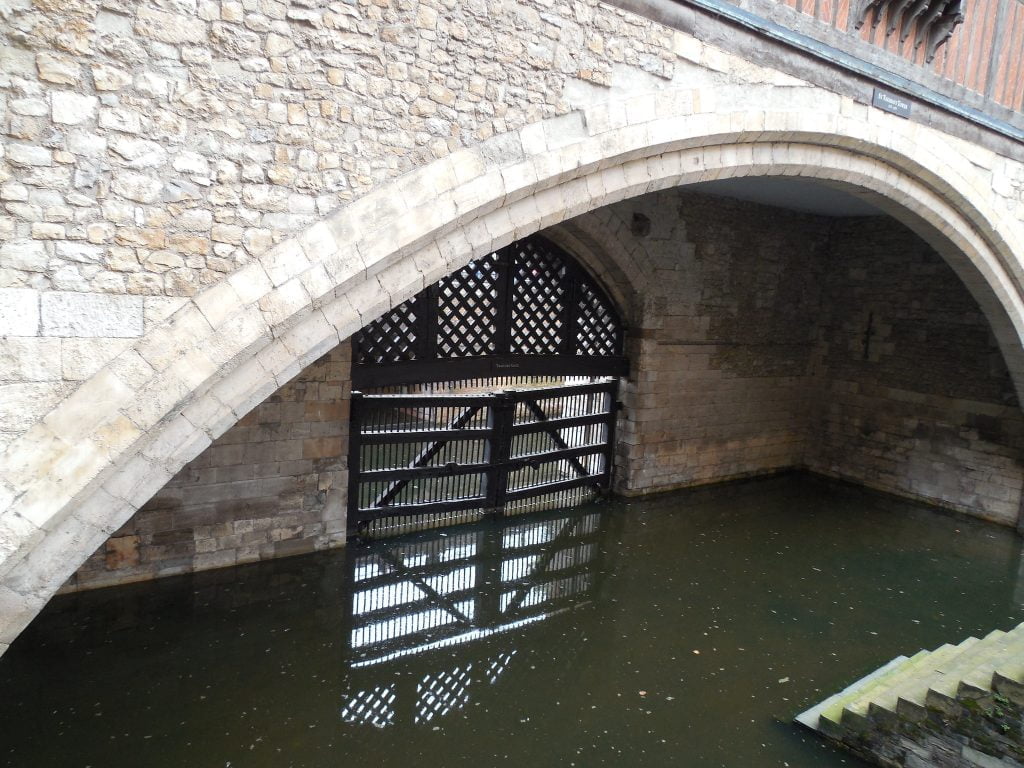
911,680
1009,652
952,673
1010,687
1009,662
825,716
910,670
863,691
915,681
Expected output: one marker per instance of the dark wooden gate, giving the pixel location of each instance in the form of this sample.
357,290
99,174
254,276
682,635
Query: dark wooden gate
526,311
428,460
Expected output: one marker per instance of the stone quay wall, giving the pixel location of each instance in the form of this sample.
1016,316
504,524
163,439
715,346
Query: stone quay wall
748,353
152,148
273,485
747,350
199,199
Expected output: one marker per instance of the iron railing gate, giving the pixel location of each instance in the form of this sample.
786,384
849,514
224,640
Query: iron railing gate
420,461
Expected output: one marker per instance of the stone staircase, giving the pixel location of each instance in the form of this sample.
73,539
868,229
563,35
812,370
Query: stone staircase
959,705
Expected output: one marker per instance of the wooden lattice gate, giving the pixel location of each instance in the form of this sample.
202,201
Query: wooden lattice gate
420,460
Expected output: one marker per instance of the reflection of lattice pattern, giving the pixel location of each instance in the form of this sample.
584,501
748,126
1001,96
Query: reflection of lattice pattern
556,589
392,338
538,299
370,707
498,665
439,694
467,310
597,331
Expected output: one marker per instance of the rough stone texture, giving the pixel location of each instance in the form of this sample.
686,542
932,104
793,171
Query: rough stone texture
273,485
658,110
747,346
928,408
976,726
722,347
746,333
91,315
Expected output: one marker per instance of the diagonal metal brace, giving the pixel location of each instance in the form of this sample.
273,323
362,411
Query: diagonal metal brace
388,494
542,418
444,602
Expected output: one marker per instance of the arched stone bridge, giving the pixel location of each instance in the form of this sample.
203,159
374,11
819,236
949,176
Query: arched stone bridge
202,199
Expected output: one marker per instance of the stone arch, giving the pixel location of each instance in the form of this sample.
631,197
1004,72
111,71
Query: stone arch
75,476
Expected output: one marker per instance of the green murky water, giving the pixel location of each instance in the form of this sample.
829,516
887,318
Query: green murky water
683,631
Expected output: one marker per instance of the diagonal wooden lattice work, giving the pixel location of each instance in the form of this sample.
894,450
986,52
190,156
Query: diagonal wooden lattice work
528,308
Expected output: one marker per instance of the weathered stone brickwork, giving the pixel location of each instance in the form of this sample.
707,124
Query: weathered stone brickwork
200,199
918,400
723,341
273,485
748,354
152,148
747,330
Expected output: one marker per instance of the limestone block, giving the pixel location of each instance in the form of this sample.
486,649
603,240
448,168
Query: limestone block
91,314
140,153
218,303
278,44
19,312
318,283
281,305
176,442
137,481
109,78
156,309
81,357
119,119
72,108
58,69
12,191
29,359
250,282
284,261
86,143
89,407
318,243
239,337
28,155
192,162
24,254
137,186
187,329
24,403
169,27
311,339
210,414
82,253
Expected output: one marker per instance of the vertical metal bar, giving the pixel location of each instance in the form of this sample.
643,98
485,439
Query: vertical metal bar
430,300
570,311
614,408
501,419
354,446
503,328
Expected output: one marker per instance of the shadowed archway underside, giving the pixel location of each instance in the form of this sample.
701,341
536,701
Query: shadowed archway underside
93,461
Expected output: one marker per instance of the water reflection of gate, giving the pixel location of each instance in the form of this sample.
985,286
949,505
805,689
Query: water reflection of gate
460,589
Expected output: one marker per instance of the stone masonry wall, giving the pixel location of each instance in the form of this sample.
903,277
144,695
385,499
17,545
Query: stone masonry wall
151,148
928,408
722,346
748,355
273,485
746,331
